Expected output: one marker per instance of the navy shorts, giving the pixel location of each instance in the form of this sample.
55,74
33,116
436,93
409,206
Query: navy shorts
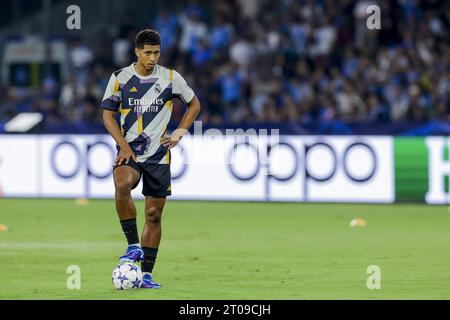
155,178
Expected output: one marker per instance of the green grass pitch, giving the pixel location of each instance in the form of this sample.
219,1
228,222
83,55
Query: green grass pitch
230,250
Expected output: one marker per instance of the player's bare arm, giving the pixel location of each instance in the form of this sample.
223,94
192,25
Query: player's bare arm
193,110
111,125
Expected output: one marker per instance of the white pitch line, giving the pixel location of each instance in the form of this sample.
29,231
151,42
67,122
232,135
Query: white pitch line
45,245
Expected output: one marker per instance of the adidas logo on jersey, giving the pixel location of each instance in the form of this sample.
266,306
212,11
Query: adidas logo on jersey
133,89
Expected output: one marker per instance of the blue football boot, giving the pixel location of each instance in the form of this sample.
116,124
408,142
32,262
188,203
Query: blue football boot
148,283
133,254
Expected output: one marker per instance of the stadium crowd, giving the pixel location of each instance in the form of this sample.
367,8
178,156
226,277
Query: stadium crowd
255,62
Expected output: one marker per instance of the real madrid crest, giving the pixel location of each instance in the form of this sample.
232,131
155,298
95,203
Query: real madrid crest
157,88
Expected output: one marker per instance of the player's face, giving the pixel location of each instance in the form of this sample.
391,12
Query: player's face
148,56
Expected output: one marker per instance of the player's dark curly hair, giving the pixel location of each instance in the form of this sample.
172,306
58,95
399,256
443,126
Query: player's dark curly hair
147,36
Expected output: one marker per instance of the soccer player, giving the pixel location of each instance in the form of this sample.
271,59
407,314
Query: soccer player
142,93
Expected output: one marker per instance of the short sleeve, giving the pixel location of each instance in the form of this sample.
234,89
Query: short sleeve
181,89
112,98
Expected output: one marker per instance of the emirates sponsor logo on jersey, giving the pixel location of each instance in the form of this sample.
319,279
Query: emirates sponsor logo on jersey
145,105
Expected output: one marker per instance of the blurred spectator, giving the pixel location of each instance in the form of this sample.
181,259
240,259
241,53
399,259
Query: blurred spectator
80,60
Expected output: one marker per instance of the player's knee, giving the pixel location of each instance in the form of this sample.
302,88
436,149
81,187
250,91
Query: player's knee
123,187
153,215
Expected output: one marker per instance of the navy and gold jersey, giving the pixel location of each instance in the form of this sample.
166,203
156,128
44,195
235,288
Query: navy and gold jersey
145,106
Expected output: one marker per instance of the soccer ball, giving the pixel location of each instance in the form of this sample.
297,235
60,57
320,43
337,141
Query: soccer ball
127,276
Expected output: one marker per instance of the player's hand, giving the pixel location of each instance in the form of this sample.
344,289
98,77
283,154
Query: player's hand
124,155
170,141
